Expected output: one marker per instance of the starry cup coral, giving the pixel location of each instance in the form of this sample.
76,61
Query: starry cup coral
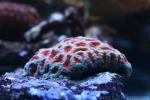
77,58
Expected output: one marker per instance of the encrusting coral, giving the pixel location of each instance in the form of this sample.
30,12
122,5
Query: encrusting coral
77,58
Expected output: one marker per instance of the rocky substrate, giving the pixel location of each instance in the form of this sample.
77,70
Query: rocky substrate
103,86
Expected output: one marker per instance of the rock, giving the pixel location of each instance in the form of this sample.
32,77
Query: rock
15,57
69,22
103,86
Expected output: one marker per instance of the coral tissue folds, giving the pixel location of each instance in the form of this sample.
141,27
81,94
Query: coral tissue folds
77,58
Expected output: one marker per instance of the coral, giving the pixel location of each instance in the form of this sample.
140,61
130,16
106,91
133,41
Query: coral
20,12
77,58
16,18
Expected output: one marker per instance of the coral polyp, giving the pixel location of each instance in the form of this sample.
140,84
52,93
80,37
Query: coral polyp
77,58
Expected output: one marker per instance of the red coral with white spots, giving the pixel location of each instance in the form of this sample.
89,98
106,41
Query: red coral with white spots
76,58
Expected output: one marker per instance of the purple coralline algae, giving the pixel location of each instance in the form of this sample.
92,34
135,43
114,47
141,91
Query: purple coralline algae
103,86
77,58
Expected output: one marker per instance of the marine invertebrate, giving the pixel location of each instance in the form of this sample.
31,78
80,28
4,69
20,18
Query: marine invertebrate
77,58
15,19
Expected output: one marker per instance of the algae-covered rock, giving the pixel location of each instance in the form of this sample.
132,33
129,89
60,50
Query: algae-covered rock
103,86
